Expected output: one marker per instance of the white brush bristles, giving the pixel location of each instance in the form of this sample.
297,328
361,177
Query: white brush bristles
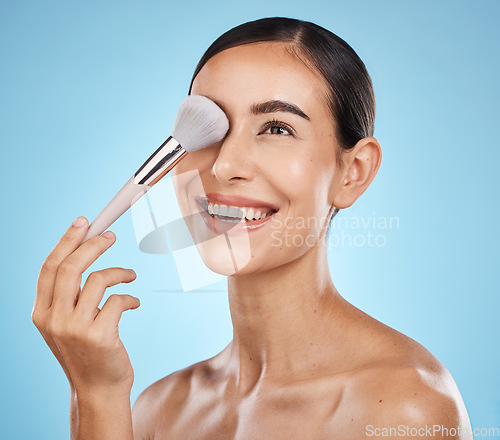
199,123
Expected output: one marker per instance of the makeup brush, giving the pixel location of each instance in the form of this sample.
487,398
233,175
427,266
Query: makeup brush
199,123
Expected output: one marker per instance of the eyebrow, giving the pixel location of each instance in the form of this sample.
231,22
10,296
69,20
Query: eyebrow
278,106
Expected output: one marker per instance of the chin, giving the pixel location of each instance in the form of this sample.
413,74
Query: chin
225,254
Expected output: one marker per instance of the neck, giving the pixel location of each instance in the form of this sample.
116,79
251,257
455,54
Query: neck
282,318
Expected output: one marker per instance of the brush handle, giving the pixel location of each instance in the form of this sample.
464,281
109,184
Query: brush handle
124,199
159,163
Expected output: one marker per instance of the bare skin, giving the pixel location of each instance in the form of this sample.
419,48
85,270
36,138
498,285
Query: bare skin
84,338
331,375
303,362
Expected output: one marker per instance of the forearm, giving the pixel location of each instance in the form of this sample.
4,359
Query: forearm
73,415
100,417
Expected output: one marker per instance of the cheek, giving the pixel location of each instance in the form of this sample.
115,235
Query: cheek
197,160
304,180
189,178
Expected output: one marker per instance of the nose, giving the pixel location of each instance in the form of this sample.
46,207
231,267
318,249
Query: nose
234,162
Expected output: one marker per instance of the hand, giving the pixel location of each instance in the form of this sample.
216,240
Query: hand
83,338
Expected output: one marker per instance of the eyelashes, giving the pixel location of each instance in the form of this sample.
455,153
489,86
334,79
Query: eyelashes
278,128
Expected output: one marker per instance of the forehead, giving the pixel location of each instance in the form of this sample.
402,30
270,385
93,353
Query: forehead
260,72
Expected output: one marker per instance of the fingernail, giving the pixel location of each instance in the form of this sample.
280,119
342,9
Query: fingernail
79,222
108,234
132,272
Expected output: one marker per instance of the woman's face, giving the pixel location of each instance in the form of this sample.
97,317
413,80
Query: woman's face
278,160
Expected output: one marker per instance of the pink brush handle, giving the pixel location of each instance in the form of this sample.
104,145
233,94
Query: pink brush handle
120,203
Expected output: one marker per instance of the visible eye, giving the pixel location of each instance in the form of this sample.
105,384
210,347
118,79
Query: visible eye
277,127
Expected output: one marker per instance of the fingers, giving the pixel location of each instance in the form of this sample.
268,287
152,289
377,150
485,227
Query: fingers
67,245
111,312
58,292
96,285
69,274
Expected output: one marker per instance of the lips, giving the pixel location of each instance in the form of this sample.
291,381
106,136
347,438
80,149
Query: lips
238,201
223,212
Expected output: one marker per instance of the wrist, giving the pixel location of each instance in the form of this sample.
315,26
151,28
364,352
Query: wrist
103,415
102,397
97,392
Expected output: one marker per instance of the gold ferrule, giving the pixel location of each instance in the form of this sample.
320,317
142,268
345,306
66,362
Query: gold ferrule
160,163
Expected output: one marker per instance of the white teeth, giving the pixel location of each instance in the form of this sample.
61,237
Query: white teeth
223,210
249,214
235,211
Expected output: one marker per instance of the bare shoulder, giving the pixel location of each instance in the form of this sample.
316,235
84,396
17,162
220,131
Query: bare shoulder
410,396
159,405
405,392
150,407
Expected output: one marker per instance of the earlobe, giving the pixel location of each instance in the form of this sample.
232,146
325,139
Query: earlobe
363,162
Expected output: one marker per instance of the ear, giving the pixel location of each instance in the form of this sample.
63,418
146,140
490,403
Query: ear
361,167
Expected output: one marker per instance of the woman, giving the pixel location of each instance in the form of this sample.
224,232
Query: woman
303,363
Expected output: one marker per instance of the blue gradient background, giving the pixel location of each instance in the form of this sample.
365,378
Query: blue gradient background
89,89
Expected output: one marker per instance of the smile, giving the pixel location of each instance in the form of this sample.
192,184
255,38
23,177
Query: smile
232,210
237,213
